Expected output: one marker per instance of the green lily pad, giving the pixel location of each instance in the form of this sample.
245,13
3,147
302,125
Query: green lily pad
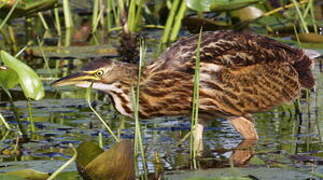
29,174
87,151
116,163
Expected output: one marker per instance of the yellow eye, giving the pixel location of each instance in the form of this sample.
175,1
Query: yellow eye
99,73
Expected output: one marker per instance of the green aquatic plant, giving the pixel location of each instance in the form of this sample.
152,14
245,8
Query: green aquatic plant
17,73
196,103
135,91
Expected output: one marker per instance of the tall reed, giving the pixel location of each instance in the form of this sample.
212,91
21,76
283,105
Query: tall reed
196,103
67,14
170,21
9,14
139,149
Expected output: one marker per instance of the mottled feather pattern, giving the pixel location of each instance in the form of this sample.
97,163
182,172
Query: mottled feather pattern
241,73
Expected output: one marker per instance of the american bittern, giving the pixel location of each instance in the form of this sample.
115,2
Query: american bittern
240,74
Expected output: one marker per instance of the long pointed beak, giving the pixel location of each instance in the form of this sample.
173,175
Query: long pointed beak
74,79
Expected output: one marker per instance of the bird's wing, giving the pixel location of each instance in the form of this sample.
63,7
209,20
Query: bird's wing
241,73
230,49
249,89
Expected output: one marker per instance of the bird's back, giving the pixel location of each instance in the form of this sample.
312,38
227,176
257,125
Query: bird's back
240,73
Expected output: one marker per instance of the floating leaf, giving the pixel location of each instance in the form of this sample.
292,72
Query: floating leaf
25,7
26,173
115,163
219,5
310,37
87,151
10,177
28,79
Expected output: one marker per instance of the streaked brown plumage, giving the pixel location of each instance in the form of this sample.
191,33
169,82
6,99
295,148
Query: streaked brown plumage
240,74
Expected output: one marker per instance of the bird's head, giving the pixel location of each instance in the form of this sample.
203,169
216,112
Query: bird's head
102,73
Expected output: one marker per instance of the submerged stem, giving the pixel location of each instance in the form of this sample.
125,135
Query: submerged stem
88,98
59,170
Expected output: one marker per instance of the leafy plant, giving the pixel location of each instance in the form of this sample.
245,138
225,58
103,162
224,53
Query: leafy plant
20,73
16,72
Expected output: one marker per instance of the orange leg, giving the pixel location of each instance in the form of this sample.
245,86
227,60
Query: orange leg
245,127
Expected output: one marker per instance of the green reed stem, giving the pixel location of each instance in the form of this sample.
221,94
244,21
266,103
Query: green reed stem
109,12
95,15
313,15
170,21
132,16
15,112
67,14
59,170
100,16
9,14
12,36
40,45
135,99
303,22
30,114
42,19
100,140
196,103
3,120
57,22
120,12
88,98
178,21
115,13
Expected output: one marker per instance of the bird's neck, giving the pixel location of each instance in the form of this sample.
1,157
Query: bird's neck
120,93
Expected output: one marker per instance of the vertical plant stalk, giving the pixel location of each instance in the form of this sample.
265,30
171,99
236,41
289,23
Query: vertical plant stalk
9,14
67,14
57,22
40,45
303,22
12,36
30,114
95,14
134,15
122,15
96,23
115,12
59,170
14,109
311,3
135,100
170,21
178,21
196,102
88,98
109,14
131,17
